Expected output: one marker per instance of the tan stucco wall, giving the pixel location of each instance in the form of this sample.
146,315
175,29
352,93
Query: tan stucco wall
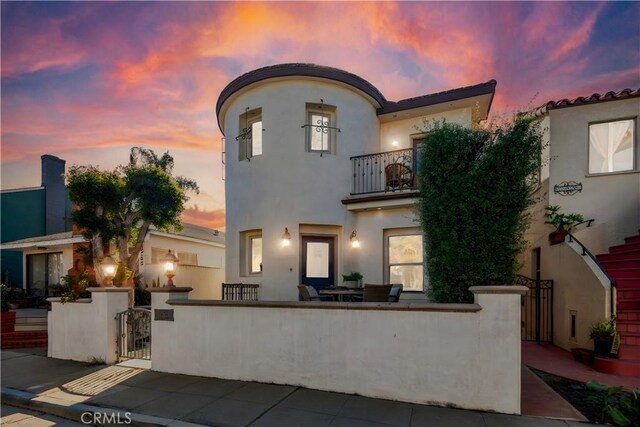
613,200
401,130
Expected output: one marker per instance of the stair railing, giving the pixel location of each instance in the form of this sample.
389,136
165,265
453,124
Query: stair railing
587,252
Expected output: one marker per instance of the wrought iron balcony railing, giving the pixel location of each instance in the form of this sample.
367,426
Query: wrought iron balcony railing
384,172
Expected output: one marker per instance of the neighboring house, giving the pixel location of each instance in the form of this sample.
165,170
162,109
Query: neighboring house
318,157
32,212
593,170
200,251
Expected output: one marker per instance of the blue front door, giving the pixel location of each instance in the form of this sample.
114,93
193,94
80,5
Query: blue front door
318,261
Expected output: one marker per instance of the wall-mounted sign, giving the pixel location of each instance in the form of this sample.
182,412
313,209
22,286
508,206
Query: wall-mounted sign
567,188
166,315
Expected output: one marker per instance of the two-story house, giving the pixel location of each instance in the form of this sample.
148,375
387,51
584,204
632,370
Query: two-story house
320,177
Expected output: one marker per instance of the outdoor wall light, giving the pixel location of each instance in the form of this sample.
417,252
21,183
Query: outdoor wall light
355,243
394,143
170,261
286,238
109,267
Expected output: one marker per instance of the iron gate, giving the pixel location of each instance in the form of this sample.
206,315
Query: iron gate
537,309
134,333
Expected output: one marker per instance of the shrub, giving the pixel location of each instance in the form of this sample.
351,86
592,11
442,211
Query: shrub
620,407
475,187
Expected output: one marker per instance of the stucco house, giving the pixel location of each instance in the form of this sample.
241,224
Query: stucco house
200,250
320,177
593,170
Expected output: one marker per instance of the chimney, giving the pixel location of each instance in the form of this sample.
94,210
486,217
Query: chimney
53,169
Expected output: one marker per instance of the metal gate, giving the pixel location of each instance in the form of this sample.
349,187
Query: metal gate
134,334
537,309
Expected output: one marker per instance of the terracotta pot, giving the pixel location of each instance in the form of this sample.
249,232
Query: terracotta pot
557,237
8,319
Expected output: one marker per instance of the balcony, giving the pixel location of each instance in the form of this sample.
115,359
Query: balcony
389,173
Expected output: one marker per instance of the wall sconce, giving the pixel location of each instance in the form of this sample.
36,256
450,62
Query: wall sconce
286,238
109,267
170,261
394,143
355,243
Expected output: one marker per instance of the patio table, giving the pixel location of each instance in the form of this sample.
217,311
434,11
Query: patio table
339,294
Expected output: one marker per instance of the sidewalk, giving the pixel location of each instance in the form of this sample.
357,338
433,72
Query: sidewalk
67,389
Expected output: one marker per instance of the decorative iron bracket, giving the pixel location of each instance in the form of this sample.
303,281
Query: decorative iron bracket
321,126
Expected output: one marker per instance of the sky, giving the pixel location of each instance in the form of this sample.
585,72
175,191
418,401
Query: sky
86,81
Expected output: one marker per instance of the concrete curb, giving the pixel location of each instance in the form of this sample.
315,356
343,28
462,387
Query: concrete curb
25,400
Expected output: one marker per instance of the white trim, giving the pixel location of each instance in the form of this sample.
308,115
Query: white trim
39,243
185,238
16,190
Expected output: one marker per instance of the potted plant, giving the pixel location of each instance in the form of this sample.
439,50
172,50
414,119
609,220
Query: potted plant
602,334
7,317
563,223
352,280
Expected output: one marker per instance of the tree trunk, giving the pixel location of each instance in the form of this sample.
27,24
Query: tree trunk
97,253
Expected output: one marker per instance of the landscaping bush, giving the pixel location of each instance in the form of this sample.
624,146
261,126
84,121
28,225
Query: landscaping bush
475,187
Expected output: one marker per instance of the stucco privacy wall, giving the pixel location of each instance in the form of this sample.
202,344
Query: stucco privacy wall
461,355
86,329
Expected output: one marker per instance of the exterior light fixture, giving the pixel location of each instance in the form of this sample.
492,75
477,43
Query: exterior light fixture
109,267
286,238
394,143
355,243
170,261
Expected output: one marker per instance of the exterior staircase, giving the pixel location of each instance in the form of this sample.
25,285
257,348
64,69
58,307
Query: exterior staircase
623,265
30,330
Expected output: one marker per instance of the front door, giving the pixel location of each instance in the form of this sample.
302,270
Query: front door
318,261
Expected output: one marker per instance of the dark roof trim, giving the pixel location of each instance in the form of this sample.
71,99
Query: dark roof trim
336,74
440,97
307,70
592,99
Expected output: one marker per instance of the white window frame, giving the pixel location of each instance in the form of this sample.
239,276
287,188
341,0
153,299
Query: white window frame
396,232
328,112
245,134
246,248
634,146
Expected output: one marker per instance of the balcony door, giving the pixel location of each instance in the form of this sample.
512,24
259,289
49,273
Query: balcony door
318,261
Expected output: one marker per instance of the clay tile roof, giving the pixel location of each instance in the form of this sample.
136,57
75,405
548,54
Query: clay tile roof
591,99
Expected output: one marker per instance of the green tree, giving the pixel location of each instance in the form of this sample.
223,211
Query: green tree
475,188
119,206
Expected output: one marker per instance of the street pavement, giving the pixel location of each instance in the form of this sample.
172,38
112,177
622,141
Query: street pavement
124,395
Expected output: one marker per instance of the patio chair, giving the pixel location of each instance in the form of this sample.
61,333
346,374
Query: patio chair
309,293
394,293
397,176
376,293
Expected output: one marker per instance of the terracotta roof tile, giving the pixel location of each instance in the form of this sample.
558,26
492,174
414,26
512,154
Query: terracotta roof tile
591,99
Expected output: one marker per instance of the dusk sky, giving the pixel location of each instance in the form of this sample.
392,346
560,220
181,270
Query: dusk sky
86,81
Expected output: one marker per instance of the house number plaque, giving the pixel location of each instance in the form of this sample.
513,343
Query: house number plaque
166,315
567,188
